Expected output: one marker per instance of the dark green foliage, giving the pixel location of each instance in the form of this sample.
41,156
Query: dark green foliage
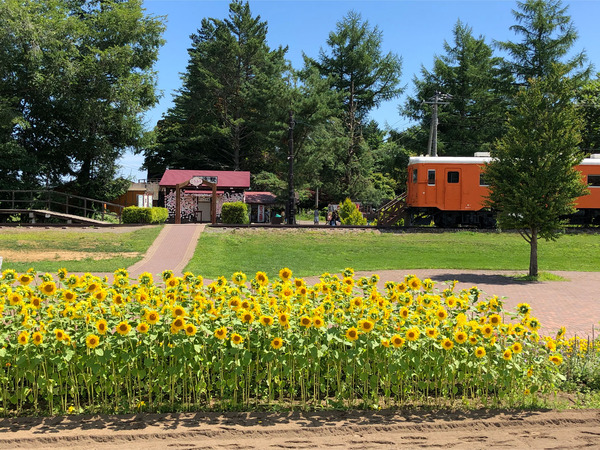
533,180
548,35
227,114
588,100
480,87
363,77
135,214
76,79
235,213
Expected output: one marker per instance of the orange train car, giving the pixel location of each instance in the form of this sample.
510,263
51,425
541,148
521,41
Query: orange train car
451,192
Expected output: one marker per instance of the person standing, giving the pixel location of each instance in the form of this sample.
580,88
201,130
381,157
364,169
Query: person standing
316,217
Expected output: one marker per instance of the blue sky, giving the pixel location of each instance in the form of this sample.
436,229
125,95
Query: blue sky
414,30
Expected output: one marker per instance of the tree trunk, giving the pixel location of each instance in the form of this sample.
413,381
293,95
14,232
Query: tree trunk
533,254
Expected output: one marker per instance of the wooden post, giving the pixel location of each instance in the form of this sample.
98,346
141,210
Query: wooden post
178,204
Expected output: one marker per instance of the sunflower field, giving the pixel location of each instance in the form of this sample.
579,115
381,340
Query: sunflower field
84,344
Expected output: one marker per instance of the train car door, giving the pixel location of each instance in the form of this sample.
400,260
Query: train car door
452,193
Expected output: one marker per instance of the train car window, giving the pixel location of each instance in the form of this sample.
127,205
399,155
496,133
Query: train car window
482,180
453,177
594,180
414,175
431,177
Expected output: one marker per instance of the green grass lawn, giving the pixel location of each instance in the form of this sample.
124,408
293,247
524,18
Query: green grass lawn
97,250
309,252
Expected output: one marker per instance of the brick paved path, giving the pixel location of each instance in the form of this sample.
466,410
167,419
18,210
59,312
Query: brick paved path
574,303
172,249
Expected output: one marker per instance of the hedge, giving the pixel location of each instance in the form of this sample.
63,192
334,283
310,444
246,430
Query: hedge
135,214
235,212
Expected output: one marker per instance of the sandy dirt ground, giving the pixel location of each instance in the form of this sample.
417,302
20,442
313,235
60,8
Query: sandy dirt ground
330,429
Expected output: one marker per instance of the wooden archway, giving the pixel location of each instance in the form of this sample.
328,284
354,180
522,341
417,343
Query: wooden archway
197,181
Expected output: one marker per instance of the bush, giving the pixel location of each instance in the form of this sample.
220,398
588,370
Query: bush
235,212
134,214
350,215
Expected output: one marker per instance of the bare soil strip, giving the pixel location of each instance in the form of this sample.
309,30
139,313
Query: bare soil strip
344,429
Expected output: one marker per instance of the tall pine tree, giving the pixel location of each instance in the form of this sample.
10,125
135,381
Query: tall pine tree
227,113
479,87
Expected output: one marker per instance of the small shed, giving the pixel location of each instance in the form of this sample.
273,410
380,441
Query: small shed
194,191
260,205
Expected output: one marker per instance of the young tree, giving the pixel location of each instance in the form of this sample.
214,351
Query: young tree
479,87
228,113
548,35
364,76
532,177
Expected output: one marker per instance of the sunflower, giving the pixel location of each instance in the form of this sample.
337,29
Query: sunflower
285,274
517,347
366,325
178,311
524,309
533,324
305,321
412,334
92,287
172,282
356,302
277,343
261,278
441,314
37,338
318,322
404,312
447,344
480,352
142,327
507,355
92,341
487,330
267,321
414,284
177,324
431,332
123,328
236,339
428,284
60,334
352,334
239,278
118,299
247,317
495,320
460,337
221,333
152,317
234,303
385,343
556,359
25,279
48,288
473,339
23,337
102,326
69,296
284,320
190,329
397,341
100,295
15,298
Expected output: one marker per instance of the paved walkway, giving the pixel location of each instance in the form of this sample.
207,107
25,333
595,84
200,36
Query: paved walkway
172,249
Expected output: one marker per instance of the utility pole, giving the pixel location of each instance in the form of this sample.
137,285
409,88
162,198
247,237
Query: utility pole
435,101
291,213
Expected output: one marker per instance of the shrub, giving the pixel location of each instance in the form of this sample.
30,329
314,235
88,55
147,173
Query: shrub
134,214
350,215
235,212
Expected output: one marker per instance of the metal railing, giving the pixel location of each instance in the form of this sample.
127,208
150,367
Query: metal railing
390,213
60,202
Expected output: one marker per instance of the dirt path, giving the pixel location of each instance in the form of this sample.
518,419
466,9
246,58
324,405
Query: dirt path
331,429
